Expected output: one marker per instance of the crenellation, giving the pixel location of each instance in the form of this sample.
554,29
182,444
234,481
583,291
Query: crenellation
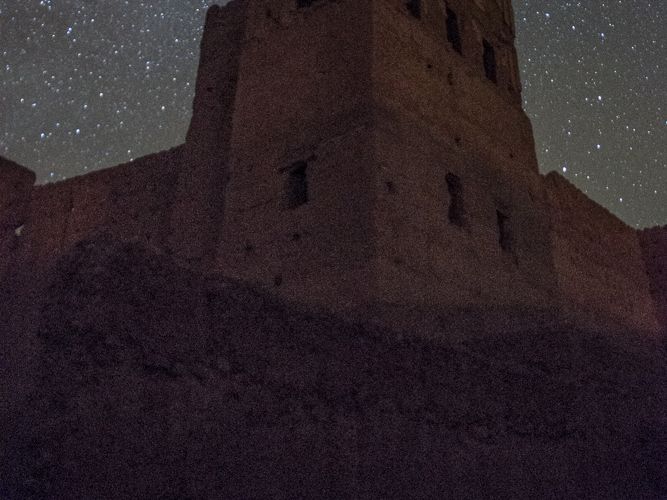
360,155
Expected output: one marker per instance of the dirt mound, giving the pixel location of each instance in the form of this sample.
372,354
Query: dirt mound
148,380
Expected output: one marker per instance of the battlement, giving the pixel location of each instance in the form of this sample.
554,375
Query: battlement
360,155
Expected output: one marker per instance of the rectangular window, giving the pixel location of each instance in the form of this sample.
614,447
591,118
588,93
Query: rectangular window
489,61
414,8
302,4
296,185
453,34
455,212
504,234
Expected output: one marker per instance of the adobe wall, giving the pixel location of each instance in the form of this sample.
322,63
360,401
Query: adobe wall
380,109
436,114
129,202
654,249
419,76
303,96
424,258
197,219
598,261
16,184
163,383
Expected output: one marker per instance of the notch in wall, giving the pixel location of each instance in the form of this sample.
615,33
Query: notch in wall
455,211
453,32
414,8
489,60
504,231
304,4
296,185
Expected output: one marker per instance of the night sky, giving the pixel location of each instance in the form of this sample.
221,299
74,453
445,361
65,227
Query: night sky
88,84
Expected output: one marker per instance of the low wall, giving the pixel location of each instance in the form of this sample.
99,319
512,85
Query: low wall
654,247
164,384
16,184
130,202
598,262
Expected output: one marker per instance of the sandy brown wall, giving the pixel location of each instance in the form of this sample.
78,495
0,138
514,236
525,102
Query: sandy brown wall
598,259
16,184
303,96
426,258
417,74
128,202
654,248
197,220
164,384
303,77
217,76
436,115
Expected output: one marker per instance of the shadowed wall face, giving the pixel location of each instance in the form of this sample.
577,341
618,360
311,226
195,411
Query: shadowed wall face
347,153
16,184
438,118
297,211
198,213
601,272
163,383
654,249
130,202
420,75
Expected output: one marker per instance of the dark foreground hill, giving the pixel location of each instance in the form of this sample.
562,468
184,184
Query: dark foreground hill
126,376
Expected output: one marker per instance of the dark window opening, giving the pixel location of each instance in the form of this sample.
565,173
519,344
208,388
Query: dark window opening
453,34
504,234
455,212
296,185
490,62
302,4
414,8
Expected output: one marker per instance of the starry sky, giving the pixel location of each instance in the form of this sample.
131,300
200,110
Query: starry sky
88,84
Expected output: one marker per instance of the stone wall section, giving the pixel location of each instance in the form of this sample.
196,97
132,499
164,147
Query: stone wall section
381,113
152,381
654,248
418,75
598,260
130,202
430,256
303,101
197,220
438,118
16,184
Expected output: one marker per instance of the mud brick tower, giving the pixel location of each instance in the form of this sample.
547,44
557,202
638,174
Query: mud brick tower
362,156
379,152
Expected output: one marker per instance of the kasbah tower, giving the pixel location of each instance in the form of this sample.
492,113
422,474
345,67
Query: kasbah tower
369,157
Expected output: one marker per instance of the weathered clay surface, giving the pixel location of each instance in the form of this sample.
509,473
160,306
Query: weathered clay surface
146,380
654,247
436,319
380,124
